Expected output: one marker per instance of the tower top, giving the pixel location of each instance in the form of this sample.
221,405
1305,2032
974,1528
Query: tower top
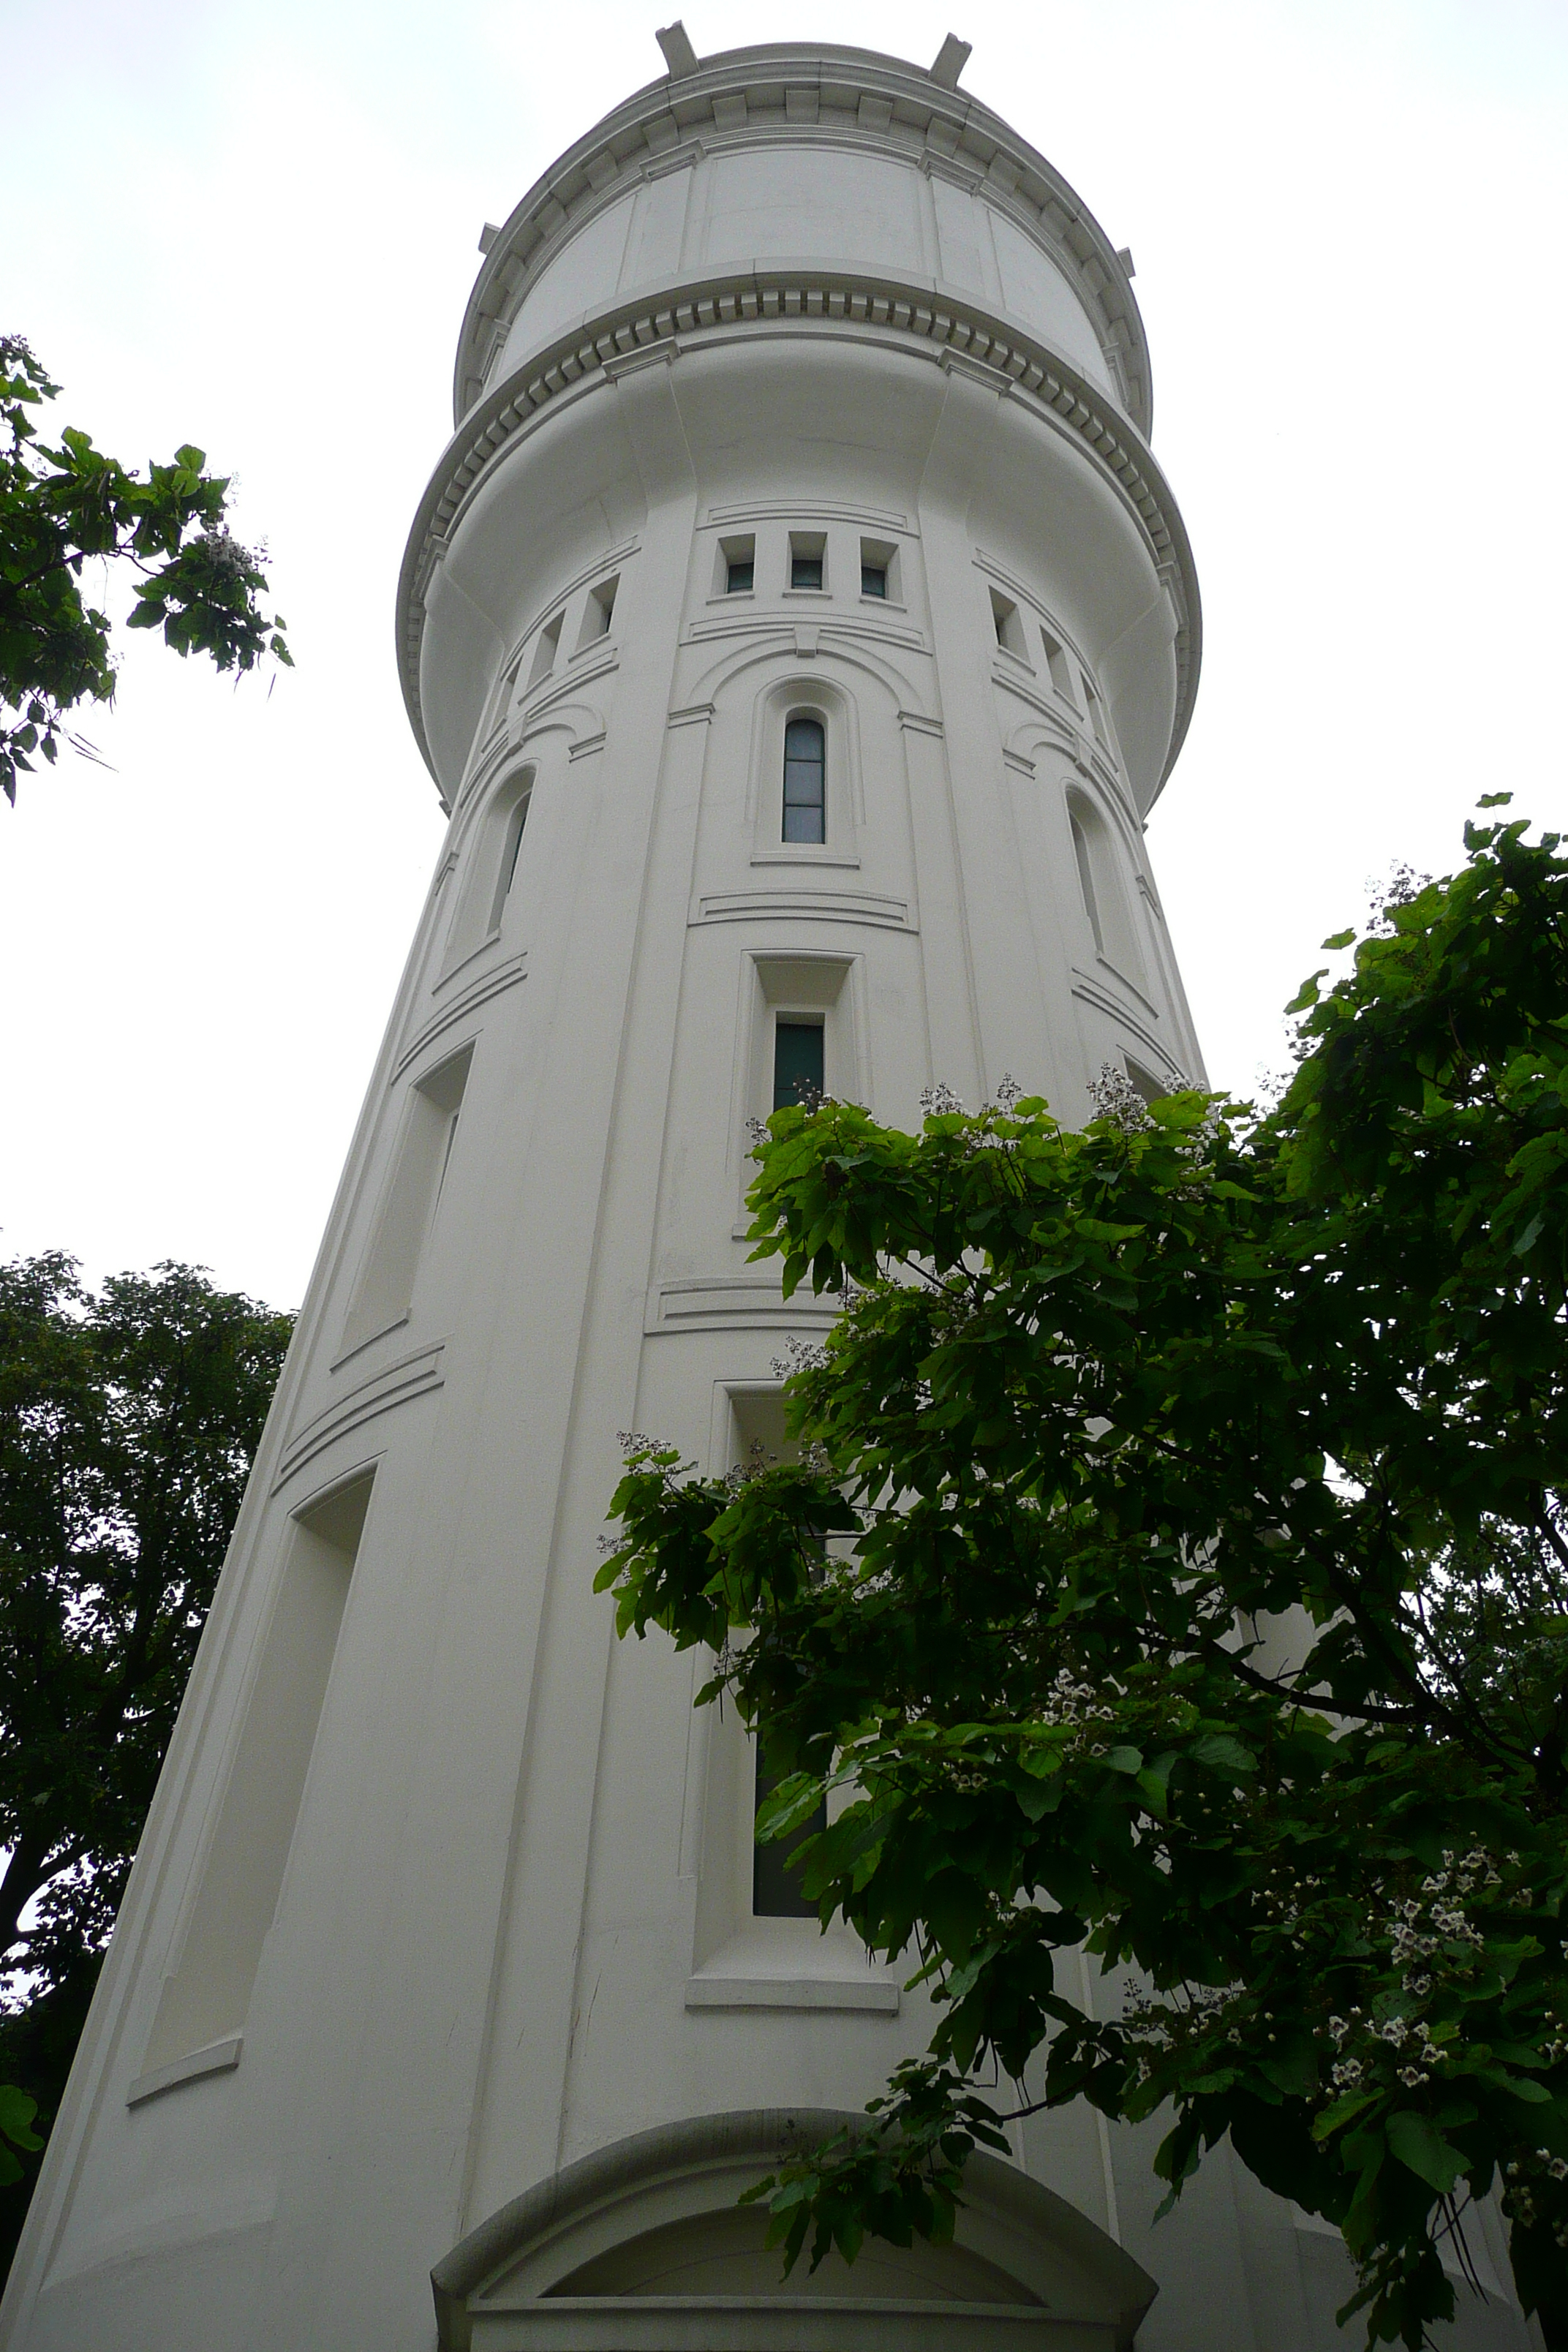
795,92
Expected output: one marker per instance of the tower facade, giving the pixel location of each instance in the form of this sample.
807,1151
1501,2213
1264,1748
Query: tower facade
798,629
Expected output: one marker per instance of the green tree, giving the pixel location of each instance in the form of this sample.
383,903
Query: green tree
61,506
128,1421
1200,1594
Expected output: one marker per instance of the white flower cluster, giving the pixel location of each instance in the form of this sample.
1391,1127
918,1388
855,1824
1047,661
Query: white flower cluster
1161,2018
1116,1097
940,1102
220,546
799,1356
1069,1702
1410,2037
1419,1930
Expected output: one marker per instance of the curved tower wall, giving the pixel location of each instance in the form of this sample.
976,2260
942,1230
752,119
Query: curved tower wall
444,1891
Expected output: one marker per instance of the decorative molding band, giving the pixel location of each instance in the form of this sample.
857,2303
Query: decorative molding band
478,992
1138,1030
1095,990
853,629
218,2058
916,722
916,318
879,1993
741,1304
394,1385
805,905
879,517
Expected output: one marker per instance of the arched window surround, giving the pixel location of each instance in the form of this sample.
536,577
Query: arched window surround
823,700
491,859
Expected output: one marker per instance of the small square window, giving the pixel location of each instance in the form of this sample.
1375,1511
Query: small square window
879,570
598,613
807,559
546,646
1059,667
1009,624
736,571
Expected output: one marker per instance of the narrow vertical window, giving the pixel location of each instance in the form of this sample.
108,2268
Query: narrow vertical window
1096,715
1080,850
805,780
797,1062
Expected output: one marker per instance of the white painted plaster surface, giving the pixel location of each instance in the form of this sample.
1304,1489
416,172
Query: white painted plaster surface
512,1927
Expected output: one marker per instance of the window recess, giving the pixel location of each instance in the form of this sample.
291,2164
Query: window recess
208,1993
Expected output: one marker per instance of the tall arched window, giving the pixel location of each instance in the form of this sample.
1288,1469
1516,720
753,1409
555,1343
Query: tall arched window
512,843
805,780
1081,851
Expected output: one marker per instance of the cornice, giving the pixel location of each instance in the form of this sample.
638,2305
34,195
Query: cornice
921,320
804,94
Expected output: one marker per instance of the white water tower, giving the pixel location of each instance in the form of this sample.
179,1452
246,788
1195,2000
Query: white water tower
798,629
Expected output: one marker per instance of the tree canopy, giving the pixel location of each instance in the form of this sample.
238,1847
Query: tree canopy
128,1421
1195,1591
63,505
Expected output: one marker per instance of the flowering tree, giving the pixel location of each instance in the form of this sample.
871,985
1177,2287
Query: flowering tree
60,506
1199,1595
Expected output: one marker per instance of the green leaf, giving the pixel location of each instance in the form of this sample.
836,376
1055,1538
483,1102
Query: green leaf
1223,1754
16,2114
1343,2110
1420,2146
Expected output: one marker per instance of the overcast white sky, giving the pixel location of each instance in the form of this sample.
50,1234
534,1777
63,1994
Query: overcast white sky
255,228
